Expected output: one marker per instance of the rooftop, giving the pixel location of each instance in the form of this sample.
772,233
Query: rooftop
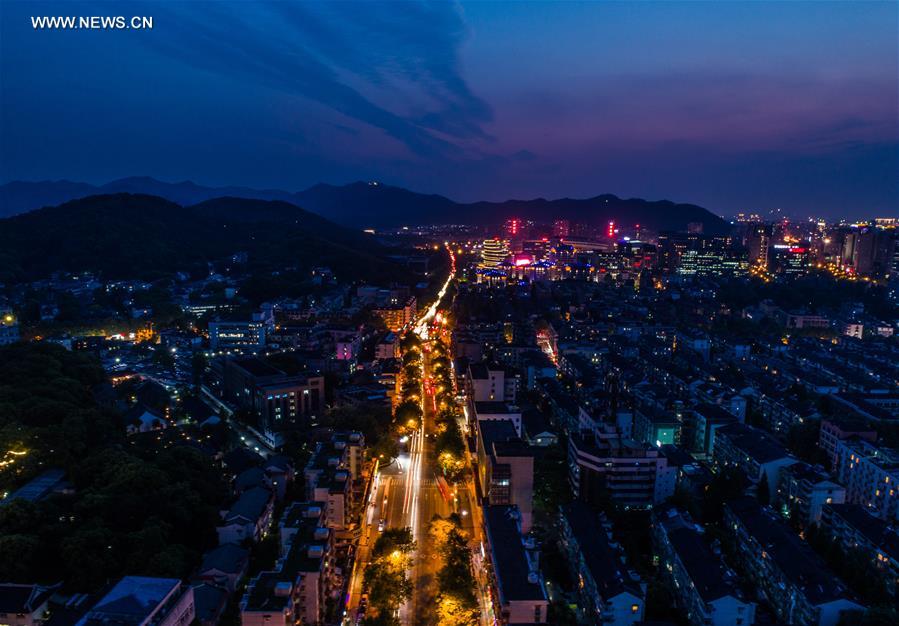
132,601
703,566
795,558
256,367
510,562
602,560
494,408
756,443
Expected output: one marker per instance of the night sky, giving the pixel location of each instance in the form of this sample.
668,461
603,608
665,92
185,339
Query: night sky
731,105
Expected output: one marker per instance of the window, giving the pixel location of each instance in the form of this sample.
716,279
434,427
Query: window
635,608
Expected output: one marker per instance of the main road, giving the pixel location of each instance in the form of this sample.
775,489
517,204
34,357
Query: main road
405,494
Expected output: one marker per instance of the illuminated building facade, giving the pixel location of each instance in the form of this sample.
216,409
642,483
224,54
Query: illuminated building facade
277,401
239,335
789,259
870,473
397,316
493,252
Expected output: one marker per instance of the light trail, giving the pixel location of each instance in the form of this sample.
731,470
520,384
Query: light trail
421,329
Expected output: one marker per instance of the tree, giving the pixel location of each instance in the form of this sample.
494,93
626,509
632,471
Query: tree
763,491
407,411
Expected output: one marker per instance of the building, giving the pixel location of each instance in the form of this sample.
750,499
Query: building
494,252
225,566
388,347
603,462
294,592
706,590
329,480
241,335
249,518
870,474
835,430
789,259
798,585
506,468
517,585
695,254
143,601
48,482
607,592
488,382
210,602
706,419
397,315
276,401
752,451
496,410
656,426
24,605
856,529
803,490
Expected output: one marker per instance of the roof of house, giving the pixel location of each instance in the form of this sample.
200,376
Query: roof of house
250,505
251,477
762,447
240,459
228,558
256,367
131,601
494,408
209,602
535,423
16,598
37,488
509,559
799,563
604,563
493,431
704,567
877,531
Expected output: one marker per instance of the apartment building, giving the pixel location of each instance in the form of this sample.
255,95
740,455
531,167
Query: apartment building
870,474
706,590
608,592
518,590
752,451
803,490
798,585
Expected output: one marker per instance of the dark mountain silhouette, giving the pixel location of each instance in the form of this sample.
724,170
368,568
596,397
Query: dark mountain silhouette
361,205
133,235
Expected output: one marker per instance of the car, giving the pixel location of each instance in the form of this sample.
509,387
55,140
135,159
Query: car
381,525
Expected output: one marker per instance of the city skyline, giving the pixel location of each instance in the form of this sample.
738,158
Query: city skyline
733,106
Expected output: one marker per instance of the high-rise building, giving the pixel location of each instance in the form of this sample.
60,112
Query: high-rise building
493,252
561,228
275,400
789,258
873,252
513,228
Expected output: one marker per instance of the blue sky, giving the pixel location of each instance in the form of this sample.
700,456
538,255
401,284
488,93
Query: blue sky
732,105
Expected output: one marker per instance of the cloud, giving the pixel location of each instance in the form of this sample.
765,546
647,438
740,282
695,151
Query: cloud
365,61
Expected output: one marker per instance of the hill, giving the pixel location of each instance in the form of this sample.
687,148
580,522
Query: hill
132,235
363,205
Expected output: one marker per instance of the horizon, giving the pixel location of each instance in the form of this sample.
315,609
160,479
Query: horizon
738,106
724,216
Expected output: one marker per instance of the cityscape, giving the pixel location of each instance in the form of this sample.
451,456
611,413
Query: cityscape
365,368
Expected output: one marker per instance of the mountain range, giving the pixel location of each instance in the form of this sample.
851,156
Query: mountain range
141,236
373,205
